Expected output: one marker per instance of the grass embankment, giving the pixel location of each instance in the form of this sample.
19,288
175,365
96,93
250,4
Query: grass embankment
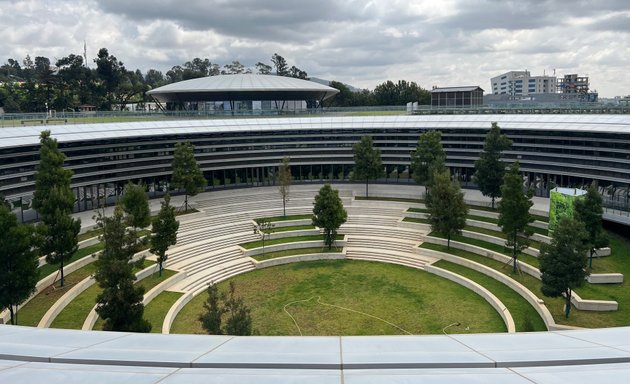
414,300
74,314
290,228
35,309
274,219
397,199
294,252
47,269
294,239
525,316
156,310
588,319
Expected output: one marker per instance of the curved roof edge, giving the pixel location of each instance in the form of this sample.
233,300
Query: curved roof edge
243,87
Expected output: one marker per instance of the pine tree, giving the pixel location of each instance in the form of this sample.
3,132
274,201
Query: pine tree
135,203
428,159
53,199
489,169
186,172
367,161
563,261
214,310
328,213
18,262
120,302
284,182
447,209
514,216
588,210
163,231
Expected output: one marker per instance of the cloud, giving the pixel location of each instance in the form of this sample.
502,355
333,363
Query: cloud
363,43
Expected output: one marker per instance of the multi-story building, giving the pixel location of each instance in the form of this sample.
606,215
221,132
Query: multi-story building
522,83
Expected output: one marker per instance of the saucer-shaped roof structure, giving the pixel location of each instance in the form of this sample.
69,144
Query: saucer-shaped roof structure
242,87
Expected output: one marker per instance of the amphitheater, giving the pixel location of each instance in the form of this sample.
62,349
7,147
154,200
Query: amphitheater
208,250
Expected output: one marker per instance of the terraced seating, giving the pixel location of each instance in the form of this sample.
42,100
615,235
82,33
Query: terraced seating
386,256
381,231
199,282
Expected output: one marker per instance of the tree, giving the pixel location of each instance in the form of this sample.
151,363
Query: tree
186,172
328,213
447,209
563,261
489,169
18,262
120,302
238,320
263,69
163,231
367,161
53,199
235,68
428,158
514,217
589,211
211,318
280,64
284,182
135,203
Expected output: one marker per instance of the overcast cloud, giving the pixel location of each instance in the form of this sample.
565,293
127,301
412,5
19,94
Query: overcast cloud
362,43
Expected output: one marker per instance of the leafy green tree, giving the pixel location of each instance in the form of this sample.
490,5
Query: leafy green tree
186,172
120,302
284,182
211,318
514,216
489,169
226,314
263,69
18,262
447,209
328,213
163,231
53,199
563,261
280,64
589,211
135,203
239,319
367,161
428,158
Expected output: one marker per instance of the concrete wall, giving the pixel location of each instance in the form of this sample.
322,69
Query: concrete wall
605,278
174,310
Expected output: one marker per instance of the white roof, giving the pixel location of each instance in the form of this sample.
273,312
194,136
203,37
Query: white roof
616,124
243,87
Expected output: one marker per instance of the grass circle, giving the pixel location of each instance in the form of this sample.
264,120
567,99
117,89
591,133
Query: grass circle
414,300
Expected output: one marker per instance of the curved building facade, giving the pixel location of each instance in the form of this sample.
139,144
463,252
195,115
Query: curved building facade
553,150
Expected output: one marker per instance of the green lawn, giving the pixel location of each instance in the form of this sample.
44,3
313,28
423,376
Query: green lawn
531,260
75,313
525,316
284,218
418,210
587,319
293,252
157,309
499,234
90,234
47,269
413,300
294,239
290,228
35,309
399,199
416,220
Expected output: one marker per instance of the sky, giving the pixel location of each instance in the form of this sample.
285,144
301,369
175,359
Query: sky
361,43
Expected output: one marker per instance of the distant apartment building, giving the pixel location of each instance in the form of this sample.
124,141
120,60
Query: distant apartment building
522,83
